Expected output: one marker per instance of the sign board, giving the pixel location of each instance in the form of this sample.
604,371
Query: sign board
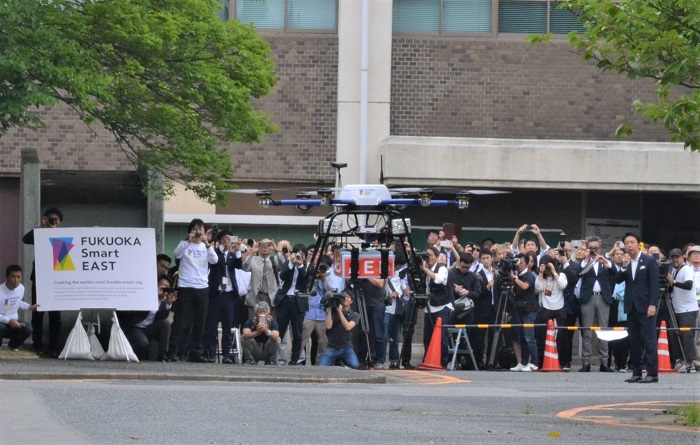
370,264
95,268
611,230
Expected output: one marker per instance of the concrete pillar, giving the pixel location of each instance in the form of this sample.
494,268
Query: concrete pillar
29,211
349,64
155,209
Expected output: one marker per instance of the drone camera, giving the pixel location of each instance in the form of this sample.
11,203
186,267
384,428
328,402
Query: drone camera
264,198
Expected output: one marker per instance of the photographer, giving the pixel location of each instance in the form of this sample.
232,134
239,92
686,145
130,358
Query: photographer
550,285
261,337
143,328
439,302
340,321
465,286
315,317
195,254
685,307
289,308
399,292
526,308
53,218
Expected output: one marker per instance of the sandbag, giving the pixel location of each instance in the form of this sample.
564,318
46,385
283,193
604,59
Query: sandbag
78,344
119,347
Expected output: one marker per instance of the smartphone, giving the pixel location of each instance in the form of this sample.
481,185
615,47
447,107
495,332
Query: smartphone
251,242
262,319
169,290
445,243
576,243
234,239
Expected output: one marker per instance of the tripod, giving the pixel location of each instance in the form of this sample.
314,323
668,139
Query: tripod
364,320
498,340
672,316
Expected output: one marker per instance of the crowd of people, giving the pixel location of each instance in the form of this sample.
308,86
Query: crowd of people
218,281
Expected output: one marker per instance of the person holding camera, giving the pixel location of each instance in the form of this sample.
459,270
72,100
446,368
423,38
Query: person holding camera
340,321
195,255
528,244
52,219
550,285
289,308
223,296
526,308
143,328
261,337
264,278
439,301
596,298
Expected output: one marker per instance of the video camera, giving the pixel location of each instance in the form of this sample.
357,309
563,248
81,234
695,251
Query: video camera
331,299
505,269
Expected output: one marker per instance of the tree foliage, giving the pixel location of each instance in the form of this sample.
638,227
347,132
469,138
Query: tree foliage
656,39
168,78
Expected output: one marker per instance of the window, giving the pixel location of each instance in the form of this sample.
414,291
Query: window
289,14
223,12
442,16
537,17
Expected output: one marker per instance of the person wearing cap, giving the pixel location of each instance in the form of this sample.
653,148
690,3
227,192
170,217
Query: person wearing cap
682,292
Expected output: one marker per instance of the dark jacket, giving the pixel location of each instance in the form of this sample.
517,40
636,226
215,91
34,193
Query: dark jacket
218,271
603,277
127,319
642,291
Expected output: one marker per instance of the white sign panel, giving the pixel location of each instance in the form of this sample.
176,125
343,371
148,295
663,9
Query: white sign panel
611,230
95,268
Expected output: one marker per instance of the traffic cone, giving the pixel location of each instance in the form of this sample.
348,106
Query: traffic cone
432,357
664,356
551,355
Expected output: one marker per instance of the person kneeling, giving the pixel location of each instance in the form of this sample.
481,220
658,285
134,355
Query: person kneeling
340,321
11,293
143,329
261,337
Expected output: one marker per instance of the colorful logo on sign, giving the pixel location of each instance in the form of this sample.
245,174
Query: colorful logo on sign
61,254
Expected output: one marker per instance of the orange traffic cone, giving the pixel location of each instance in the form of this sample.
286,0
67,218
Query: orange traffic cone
434,354
551,355
664,356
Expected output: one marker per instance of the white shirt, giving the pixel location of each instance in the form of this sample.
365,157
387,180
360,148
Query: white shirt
194,264
440,278
11,300
684,300
555,300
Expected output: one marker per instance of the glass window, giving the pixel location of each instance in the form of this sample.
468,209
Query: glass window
522,17
312,14
261,13
467,16
416,15
563,21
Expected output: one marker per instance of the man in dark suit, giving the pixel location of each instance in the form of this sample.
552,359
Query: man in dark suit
596,298
288,307
223,296
641,276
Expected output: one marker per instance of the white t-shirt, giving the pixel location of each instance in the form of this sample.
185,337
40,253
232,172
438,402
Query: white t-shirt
684,300
194,264
11,301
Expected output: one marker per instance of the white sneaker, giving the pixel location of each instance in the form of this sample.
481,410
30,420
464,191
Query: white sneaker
520,367
530,367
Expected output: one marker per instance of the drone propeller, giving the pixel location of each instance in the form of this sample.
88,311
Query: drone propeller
403,191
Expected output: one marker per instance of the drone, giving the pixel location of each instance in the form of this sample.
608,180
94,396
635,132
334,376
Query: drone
368,232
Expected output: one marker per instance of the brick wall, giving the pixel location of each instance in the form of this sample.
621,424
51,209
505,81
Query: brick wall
303,105
504,88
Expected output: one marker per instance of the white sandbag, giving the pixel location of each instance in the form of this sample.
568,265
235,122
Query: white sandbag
96,348
119,347
78,345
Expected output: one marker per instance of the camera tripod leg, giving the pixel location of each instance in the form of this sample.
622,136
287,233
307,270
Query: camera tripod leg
674,322
364,322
